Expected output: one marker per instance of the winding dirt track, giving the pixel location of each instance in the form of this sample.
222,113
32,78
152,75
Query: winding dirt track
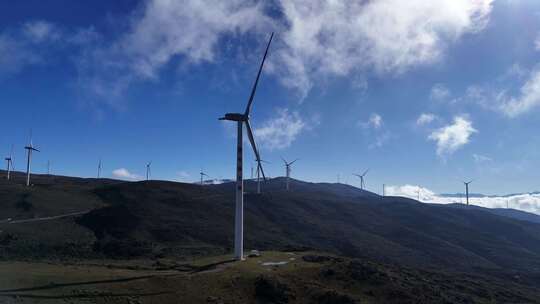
47,218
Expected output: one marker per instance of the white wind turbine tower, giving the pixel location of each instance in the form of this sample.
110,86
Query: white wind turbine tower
30,148
148,171
241,119
9,160
362,176
288,172
467,190
99,169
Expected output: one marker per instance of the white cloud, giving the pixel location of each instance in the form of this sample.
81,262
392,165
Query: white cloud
452,137
189,28
528,98
375,121
41,31
123,173
161,32
183,174
439,92
537,43
425,118
374,127
325,37
280,131
316,38
410,191
15,55
32,42
478,158
380,140
528,202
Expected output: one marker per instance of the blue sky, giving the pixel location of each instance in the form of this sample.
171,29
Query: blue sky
424,92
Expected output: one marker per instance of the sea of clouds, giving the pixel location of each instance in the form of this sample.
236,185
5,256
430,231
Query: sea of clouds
528,202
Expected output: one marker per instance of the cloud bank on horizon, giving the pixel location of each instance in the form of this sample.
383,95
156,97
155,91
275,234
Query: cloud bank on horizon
528,202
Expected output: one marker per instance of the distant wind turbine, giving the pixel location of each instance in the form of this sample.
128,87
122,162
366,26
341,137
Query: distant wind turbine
99,169
30,148
148,171
9,160
362,178
241,119
467,190
259,175
48,167
202,176
288,172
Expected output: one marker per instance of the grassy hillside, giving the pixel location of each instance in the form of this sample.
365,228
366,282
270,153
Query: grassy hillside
159,219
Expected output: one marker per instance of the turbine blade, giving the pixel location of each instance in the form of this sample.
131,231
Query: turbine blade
250,101
259,167
283,159
365,172
293,161
254,145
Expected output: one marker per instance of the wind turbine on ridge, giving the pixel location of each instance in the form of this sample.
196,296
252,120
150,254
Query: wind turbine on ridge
30,148
243,119
467,190
148,171
202,176
9,160
288,172
362,176
99,169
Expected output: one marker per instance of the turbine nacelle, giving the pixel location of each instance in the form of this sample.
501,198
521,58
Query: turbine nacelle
31,148
235,117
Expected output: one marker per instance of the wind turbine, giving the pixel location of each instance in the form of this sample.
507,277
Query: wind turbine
9,160
99,169
361,176
467,190
241,119
202,176
30,148
48,167
259,175
288,171
148,172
